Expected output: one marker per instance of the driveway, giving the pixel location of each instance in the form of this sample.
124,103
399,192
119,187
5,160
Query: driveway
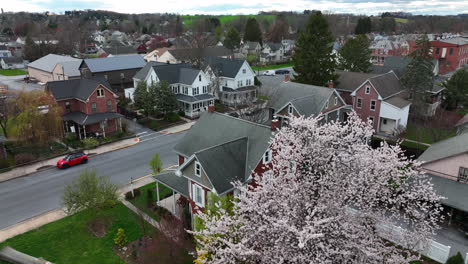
16,83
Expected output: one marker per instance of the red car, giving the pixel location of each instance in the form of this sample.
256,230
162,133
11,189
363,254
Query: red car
72,159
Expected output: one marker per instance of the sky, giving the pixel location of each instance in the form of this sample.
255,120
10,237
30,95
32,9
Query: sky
218,7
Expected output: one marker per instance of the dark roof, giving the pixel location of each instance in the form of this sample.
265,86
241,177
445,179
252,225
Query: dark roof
186,54
196,98
178,184
224,67
176,73
224,163
308,99
455,192
349,81
12,59
250,45
387,84
141,74
215,129
381,69
120,50
3,47
396,64
84,119
78,89
446,148
274,46
398,102
115,63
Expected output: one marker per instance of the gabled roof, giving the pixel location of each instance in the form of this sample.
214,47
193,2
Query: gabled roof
224,163
215,129
115,63
387,84
307,99
274,46
176,73
398,102
75,89
141,74
71,68
224,67
250,45
349,81
48,62
446,148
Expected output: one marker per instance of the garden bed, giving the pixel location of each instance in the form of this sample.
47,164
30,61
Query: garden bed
141,199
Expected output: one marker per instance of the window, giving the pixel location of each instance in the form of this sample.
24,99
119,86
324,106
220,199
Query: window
367,89
109,105
267,157
100,92
243,71
199,78
235,97
437,50
371,119
326,105
451,51
336,100
359,103
463,175
195,91
67,107
290,109
372,105
198,195
384,121
197,169
122,75
185,90
93,108
205,89
225,96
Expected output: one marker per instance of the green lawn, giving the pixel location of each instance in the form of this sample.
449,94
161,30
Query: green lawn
426,135
68,240
401,20
12,72
272,67
227,18
141,200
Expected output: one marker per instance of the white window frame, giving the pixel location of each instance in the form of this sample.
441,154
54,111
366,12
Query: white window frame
375,105
195,188
462,174
100,92
244,71
326,105
290,109
367,91
357,102
197,169
266,157
336,100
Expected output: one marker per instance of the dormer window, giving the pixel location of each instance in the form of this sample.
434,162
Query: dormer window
367,89
290,109
100,92
197,169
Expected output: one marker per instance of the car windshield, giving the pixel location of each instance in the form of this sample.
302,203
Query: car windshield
69,157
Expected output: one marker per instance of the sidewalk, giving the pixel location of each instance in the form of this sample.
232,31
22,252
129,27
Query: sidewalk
45,164
179,128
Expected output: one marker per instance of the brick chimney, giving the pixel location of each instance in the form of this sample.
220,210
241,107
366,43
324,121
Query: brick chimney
274,123
211,108
287,78
331,85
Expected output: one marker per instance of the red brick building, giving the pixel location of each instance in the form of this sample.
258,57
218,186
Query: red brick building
452,53
90,106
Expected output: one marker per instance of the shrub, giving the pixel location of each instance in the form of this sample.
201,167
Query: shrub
71,139
90,143
5,163
457,259
23,158
181,113
129,196
120,238
154,125
161,211
149,198
172,117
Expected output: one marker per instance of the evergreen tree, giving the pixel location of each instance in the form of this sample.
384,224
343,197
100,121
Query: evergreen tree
313,60
145,97
252,31
457,89
419,76
355,55
232,39
363,26
166,100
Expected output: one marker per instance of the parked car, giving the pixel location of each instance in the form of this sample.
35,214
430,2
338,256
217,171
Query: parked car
282,72
269,73
72,159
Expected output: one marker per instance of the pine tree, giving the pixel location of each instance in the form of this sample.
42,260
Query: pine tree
145,97
252,31
355,55
166,101
419,76
232,39
457,89
363,26
313,60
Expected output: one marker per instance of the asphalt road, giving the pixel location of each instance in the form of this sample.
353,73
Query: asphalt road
25,197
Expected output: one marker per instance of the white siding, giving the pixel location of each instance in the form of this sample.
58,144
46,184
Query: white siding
248,75
167,57
392,112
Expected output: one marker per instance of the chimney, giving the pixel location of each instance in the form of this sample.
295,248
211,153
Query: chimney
331,85
286,78
211,108
274,123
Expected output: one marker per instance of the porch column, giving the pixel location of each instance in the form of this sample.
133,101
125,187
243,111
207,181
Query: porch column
79,131
157,193
120,123
84,131
173,202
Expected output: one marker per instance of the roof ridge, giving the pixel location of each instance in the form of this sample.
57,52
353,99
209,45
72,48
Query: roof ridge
243,120
220,144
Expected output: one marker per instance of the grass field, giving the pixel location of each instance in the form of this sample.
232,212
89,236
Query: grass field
225,19
401,20
12,72
69,241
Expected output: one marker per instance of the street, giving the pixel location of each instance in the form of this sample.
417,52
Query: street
26,197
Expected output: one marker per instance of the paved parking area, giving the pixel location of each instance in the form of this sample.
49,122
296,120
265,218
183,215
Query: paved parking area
16,83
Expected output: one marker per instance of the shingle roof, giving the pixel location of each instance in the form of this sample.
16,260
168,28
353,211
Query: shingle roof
387,84
79,88
454,191
308,99
274,46
224,163
71,68
48,62
141,74
12,59
115,63
349,81
196,98
398,102
456,41
176,73
3,47
446,148
250,45
179,184
120,50
213,129
224,67
84,119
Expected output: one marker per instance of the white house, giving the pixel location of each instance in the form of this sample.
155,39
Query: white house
4,52
233,80
190,85
11,63
272,53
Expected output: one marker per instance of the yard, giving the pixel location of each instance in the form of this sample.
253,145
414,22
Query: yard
272,67
141,201
426,134
12,72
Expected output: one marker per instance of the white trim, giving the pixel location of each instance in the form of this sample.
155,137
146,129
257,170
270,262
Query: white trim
269,156
282,108
199,169
195,187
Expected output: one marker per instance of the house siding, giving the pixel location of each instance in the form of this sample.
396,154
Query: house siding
449,62
448,167
40,75
189,172
101,102
364,112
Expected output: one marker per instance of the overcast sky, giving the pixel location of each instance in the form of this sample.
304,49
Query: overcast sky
369,7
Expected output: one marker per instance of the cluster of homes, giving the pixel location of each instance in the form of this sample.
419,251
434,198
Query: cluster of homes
11,56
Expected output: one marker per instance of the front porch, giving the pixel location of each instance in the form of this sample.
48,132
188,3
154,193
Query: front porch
178,185
193,106
239,96
100,124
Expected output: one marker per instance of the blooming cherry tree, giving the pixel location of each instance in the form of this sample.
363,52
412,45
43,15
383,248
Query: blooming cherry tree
329,198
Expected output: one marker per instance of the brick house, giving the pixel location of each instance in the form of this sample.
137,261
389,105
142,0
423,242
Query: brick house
89,106
379,98
383,48
452,53
210,159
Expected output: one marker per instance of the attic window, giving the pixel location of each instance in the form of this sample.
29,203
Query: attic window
290,109
100,92
243,71
199,78
367,89
326,105
197,169
336,100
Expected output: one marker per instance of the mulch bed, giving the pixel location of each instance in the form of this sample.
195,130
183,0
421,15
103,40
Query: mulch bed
98,226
